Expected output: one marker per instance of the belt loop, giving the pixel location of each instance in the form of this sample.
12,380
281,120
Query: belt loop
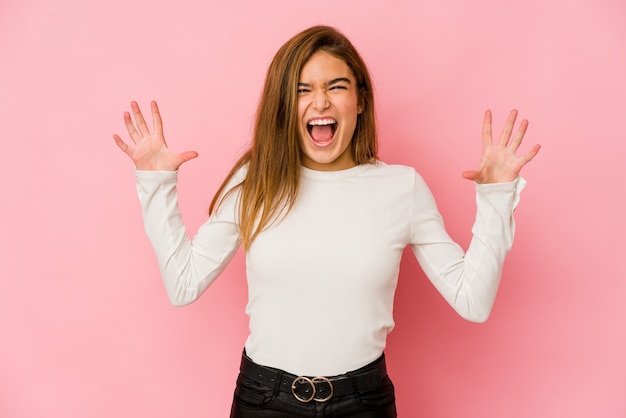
355,383
278,382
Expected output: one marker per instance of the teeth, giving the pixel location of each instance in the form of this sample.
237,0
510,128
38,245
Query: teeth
322,122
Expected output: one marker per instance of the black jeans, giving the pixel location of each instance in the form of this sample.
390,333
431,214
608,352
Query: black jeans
264,392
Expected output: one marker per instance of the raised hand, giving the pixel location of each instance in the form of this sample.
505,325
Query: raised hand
499,163
150,151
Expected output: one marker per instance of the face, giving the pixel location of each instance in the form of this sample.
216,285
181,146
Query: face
328,106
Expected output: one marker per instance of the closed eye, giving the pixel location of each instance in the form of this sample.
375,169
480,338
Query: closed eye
304,87
340,83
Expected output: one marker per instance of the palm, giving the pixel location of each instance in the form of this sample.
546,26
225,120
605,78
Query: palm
498,161
152,150
149,150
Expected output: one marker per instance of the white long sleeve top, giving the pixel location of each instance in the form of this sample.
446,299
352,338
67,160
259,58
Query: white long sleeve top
322,279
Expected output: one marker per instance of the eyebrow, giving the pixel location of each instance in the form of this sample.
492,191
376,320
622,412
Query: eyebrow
328,83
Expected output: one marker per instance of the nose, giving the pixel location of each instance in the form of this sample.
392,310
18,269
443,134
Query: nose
319,100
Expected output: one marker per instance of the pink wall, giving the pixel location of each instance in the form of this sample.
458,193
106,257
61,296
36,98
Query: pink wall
85,326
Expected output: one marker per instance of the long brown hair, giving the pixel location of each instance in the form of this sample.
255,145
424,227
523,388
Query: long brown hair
274,158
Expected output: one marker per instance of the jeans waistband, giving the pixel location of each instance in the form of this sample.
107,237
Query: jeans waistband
316,388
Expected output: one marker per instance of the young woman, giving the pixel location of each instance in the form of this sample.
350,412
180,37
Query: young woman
323,223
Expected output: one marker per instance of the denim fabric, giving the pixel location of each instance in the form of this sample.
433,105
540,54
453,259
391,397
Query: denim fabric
254,400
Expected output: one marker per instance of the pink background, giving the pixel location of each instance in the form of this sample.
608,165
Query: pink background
85,326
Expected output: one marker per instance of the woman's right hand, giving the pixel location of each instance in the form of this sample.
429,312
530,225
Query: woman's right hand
150,151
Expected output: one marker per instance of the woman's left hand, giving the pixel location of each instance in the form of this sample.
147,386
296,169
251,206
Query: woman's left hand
499,163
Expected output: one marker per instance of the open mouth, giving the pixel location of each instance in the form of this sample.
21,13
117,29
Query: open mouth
322,131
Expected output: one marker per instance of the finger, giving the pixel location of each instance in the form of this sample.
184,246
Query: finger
508,128
472,175
531,154
130,127
139,120
157,122
122,145
188,155
517,140
487,128
469,174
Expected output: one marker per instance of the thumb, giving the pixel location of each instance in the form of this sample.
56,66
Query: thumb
470,175
188,155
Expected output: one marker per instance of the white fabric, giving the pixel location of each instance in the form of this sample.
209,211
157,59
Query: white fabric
322,279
